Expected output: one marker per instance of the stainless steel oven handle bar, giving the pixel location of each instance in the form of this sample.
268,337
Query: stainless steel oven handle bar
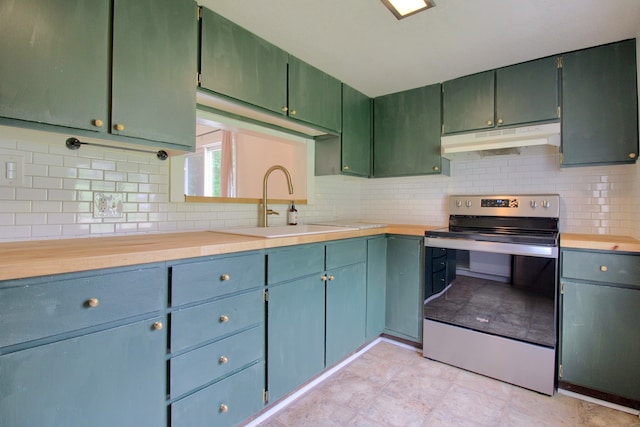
495,247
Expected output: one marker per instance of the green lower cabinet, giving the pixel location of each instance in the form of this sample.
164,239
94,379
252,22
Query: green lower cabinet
295,334
225,403
345,311
600,338
115,377
404,293
376,286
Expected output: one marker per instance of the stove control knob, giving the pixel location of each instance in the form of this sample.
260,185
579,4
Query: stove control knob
459,203
533,204
546,204
468,203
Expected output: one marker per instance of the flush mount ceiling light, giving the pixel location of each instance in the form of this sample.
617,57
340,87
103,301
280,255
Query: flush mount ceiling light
403,8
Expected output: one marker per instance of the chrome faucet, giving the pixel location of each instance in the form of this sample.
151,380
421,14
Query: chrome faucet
265,210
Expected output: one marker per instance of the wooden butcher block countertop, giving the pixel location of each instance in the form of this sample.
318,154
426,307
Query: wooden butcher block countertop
599,242
45,257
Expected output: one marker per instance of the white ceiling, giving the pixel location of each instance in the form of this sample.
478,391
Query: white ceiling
362,44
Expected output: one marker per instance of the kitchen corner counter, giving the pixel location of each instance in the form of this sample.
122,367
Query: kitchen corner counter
44,257
599,242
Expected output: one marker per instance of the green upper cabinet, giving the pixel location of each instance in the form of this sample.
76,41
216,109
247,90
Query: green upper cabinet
55,66
314,96
468,103
600,105
518,94
241,65
356,132
155,45
527,92
406,133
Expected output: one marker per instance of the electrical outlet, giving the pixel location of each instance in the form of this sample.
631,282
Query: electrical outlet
107,205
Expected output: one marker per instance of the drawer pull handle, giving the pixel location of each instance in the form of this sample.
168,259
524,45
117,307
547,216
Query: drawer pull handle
603,268
223,360
157,326
224,408
224,318
93,302
225,277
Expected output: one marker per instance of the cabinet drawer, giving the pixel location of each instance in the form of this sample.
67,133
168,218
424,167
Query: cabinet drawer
340,254
206,322
602,267
207,279
205,364
225,403
37,309
439,281
438,264
292,262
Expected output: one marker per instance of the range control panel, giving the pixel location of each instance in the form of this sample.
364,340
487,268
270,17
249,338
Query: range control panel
527,205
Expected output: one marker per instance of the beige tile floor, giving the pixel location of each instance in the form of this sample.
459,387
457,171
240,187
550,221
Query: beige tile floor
391,385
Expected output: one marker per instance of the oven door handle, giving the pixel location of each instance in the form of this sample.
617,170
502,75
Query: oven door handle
495,247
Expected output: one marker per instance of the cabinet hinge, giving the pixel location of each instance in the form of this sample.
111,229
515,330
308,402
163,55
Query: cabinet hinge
559,60
198,78
265,396
561,158
266,295
560,371
442,130
199,12
562,288
559,111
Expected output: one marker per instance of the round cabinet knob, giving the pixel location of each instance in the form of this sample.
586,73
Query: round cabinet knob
293,112
604,268
533,204
632,155
489,122
500,121
157,326
436,168
119,127
225,277
224,408
323,278
98,123
284,109
93,302
345,168
332,278
459,203
468,203
224,318
223,360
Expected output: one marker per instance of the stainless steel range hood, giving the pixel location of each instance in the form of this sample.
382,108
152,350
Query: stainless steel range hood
502,141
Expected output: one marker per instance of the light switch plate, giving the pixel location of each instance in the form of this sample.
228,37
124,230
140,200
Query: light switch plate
11,170
108,205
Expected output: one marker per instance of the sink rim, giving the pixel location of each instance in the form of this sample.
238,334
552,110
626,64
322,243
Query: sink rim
284,230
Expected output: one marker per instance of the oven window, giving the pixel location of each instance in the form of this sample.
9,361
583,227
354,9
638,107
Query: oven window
513,296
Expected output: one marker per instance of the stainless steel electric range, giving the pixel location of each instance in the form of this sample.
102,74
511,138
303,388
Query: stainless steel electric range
494,310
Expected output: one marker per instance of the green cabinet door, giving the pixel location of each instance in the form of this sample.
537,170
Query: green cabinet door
314,96
55,66
345,311
406,133
241,65
356,132
116,377
600,105
155,44
376,285
600,338
527,92
295,334
468,103
404,295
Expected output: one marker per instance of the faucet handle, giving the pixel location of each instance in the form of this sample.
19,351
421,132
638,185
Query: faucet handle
272,212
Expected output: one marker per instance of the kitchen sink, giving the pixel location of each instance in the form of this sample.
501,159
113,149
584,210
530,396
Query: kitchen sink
285,230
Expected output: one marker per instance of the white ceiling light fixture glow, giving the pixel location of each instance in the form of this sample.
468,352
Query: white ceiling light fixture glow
403,8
